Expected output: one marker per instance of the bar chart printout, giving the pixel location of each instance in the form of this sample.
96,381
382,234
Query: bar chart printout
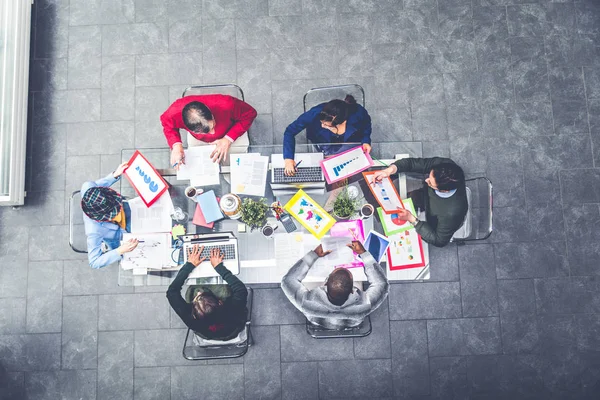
346,164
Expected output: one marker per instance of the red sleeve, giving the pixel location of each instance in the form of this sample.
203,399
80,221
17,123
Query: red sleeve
169,122
243,115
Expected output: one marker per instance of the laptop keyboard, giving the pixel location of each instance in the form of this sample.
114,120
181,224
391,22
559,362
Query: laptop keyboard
227,249
308,174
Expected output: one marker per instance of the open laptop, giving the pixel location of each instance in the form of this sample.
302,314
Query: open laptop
309,174
225,241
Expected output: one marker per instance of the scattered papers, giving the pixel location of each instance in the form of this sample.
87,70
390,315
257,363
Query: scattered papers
249,174
341,254
198,167
156,218
349,231
152,252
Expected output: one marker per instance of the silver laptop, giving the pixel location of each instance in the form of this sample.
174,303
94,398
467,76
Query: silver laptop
225,241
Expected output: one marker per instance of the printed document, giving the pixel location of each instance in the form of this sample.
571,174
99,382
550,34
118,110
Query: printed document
340,253
249,174
153,251
156,218
198,167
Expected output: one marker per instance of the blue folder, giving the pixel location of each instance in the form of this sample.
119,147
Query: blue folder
209,206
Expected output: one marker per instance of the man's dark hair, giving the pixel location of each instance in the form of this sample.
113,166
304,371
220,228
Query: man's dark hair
339,286
448,176
337,111
196,117
206,304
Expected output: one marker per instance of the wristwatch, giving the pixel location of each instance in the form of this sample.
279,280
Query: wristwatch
415,222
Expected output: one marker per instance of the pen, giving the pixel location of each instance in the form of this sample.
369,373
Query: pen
299,162
353,234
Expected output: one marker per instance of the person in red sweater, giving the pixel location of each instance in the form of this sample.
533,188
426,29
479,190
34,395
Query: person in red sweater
209,119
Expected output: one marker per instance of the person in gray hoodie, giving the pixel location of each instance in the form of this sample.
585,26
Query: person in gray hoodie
337,304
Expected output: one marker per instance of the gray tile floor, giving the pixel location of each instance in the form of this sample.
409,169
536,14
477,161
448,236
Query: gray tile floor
508,88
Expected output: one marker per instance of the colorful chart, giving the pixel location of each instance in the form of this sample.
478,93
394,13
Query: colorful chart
405,250
310,214
391,223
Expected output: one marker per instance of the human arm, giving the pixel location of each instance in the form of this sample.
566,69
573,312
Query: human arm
96,258
107,181
243,114
378,283
417,165
239,293
441,235
289,136
291,284
169,123
365,124
177,302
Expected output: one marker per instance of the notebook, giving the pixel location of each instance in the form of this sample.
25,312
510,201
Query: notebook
210,206
200,220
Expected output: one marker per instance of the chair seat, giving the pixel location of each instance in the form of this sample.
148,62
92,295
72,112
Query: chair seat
319,332
240,338
466,228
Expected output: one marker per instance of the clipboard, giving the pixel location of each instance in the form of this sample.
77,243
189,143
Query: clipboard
346,164
405,250
385,193
145,179
310,214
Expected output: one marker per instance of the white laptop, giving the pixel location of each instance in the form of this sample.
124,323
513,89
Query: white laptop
225,241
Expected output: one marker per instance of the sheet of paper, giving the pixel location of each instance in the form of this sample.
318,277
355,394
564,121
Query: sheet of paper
153,251
198,167
340,253
153,219
249,174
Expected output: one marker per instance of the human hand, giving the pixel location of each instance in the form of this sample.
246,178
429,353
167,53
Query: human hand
120,169
177,156
320,252
194,256
356,247
221,151
127,246
405,215
216,257
290,167
384,173
366,148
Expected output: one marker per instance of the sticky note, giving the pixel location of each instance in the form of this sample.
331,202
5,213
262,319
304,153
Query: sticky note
178,230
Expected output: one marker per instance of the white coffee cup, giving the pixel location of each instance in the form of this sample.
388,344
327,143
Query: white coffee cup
366,211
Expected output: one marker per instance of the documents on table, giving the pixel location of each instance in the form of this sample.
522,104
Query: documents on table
156,218
340,254
249,174
198,167
152,252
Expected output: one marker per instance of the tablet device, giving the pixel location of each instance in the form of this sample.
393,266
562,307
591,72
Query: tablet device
376,244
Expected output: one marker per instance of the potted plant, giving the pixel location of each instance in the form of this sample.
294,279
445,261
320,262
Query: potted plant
254,213
344,206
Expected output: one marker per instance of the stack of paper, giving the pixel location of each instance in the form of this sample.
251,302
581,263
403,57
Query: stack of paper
156,218
152,252
249,174
198,167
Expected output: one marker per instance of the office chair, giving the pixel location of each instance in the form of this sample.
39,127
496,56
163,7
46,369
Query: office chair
227,88
198,348
478,221
77,237
323,94
318,332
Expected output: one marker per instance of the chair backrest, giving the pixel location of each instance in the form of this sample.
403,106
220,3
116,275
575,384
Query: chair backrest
320,95
478,223
77,237
318,332
227,88
212,350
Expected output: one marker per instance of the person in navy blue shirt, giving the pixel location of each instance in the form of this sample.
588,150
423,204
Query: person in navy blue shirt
337,121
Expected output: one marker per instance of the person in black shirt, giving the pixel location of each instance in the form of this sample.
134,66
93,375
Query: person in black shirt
207,315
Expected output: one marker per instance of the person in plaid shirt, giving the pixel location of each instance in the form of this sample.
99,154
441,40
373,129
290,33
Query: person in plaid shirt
106,216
